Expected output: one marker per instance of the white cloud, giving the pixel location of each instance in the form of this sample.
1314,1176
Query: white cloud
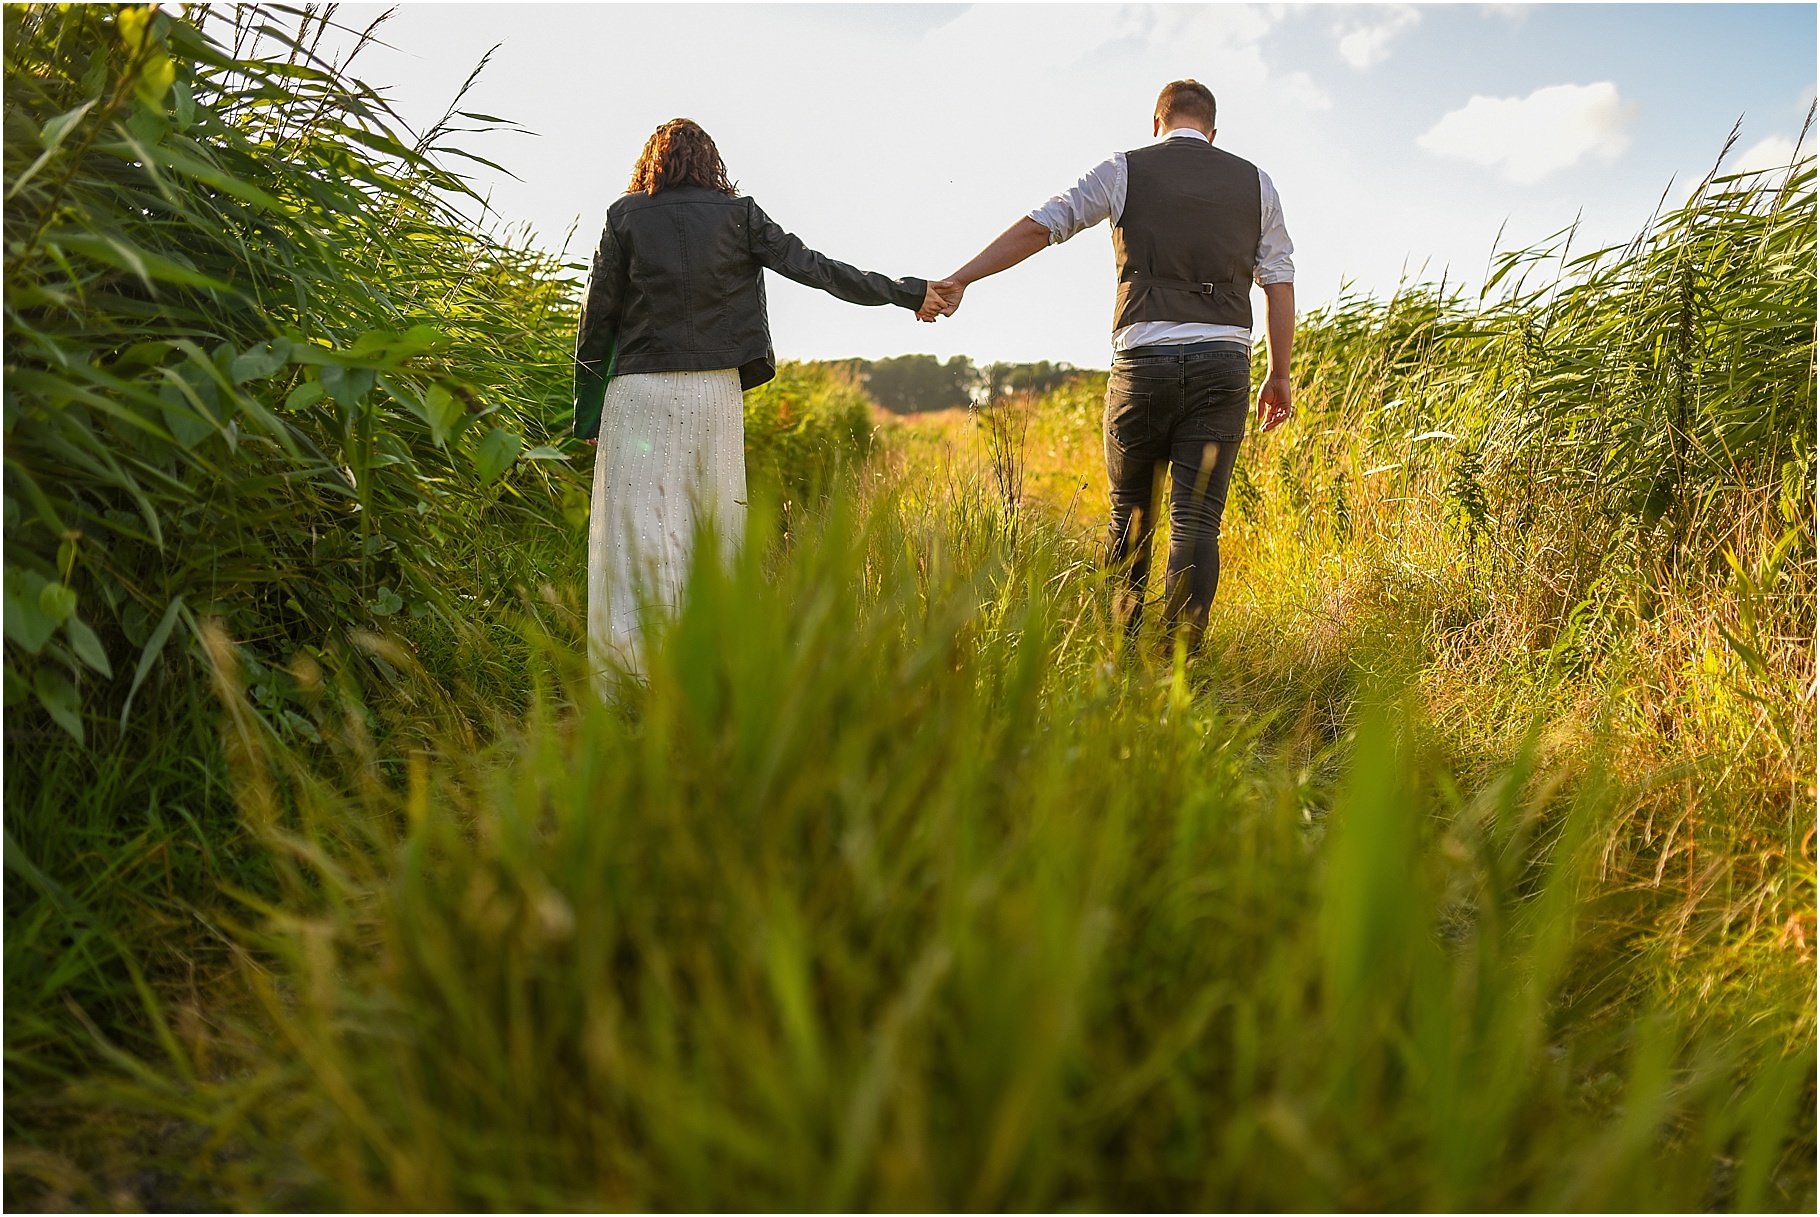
1221,45
1299,89
1773,152
1528,138
1365,44
1040,44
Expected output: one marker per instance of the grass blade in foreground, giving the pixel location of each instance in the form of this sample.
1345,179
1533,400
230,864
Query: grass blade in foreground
873,902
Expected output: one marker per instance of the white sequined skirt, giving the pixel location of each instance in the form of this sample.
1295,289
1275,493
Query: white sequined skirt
672,450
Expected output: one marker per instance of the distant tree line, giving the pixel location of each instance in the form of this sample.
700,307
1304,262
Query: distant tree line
908,384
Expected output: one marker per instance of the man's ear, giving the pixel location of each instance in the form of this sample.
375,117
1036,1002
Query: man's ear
1156,126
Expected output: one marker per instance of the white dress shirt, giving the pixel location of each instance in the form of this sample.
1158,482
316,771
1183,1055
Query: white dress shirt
1100,195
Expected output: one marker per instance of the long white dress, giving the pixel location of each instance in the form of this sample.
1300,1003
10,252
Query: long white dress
671,452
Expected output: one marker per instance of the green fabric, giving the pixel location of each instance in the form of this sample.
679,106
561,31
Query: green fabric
591,396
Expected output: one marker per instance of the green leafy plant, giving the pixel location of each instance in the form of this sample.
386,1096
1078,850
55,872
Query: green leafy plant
253,352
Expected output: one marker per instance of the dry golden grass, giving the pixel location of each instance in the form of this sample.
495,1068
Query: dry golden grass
1716,834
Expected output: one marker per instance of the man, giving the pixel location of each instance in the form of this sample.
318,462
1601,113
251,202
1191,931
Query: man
1192,228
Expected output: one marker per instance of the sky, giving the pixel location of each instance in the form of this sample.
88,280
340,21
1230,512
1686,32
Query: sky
1403,139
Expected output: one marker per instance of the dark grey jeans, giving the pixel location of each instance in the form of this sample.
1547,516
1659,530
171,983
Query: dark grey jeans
1180,415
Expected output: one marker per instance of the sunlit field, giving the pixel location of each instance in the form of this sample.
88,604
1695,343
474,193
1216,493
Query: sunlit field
1468,865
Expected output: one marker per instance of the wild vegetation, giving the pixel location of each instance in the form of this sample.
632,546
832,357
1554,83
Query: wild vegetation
911,384
1471,865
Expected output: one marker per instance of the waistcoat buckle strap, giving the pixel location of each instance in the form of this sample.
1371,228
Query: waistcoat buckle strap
1140,279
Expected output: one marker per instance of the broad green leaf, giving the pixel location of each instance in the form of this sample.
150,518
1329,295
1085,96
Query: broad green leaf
308,393
57,602
148,128
59,698
183,104
135,622
386,603
384,346
420,338
346,385
87,646
495,453
258,362
155,79
372,345
94,78
139,356
182,419
26,621
442,412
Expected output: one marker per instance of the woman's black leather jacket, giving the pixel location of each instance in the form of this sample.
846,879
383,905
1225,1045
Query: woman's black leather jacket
677,286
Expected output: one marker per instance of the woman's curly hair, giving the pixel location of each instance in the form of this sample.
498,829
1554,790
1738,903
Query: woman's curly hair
680,153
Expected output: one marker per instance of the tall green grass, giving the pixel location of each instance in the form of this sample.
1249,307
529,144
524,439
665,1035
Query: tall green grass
260,366
807,432
892,892
1595,495
1490,484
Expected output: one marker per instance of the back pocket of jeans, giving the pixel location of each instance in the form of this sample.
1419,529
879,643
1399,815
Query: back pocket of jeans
1128,423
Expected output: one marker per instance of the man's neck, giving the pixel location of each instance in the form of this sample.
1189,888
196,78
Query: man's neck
1178,132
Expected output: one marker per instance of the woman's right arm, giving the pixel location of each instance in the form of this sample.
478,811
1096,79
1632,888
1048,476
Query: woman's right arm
595,339
788,256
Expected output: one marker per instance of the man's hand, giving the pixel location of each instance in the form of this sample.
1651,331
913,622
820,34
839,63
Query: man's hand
941,298
1274,406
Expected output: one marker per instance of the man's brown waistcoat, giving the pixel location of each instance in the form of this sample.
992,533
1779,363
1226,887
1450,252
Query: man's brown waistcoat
1188,238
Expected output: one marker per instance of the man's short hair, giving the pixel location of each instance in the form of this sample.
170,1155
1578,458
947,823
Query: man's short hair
1187,101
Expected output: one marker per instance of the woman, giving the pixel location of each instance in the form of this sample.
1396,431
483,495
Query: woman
672,330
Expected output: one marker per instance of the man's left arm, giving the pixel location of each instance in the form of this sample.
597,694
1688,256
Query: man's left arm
1274,405
1275,273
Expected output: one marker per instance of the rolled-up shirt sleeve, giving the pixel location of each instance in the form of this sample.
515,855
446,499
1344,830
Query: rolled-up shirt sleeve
1089,201
1274,264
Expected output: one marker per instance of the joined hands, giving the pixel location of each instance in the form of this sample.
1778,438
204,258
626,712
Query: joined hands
941,299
